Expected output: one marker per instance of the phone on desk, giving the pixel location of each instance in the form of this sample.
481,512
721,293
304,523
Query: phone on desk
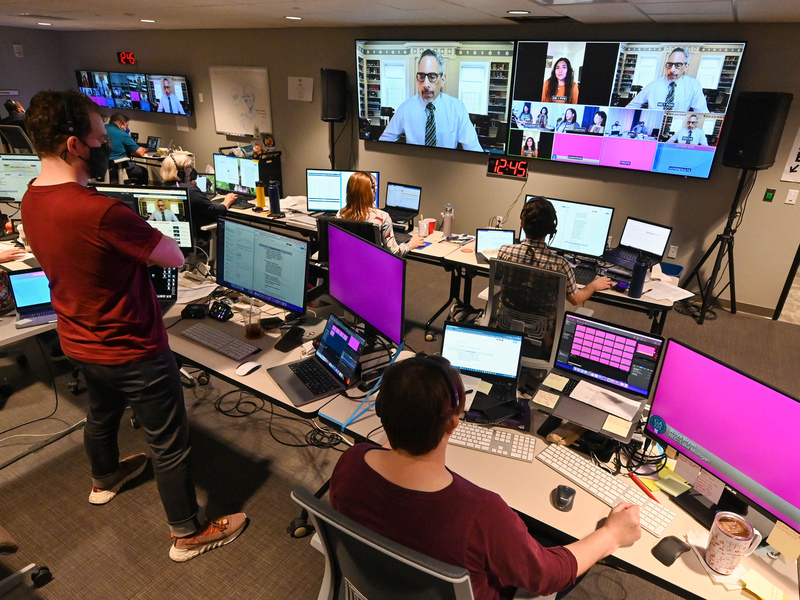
621,286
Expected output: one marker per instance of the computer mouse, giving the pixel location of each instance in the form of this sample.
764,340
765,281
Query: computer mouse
562,498
669,549
247,367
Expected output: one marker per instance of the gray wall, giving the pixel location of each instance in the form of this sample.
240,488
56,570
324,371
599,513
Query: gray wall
697,209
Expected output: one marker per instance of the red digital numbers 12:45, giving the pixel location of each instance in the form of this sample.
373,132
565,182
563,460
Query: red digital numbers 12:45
508,167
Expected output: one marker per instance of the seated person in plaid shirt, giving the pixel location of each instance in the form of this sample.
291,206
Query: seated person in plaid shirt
539,221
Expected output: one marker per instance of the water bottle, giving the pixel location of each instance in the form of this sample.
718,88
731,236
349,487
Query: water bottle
638,277
447,224
260,198
274,198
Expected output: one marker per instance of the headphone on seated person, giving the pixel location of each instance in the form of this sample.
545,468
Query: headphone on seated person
539,216
455,396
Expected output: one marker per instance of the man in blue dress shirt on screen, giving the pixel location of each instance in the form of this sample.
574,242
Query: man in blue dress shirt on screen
690,134
432,118
675,90
169,102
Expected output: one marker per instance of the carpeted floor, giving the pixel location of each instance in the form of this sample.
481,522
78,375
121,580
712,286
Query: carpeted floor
120,550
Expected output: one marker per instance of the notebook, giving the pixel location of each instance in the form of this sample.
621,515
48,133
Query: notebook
489,241
31,291
330,370
489,354
649,238
402,201
601,369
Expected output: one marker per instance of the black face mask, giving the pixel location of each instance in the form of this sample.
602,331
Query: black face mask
98,160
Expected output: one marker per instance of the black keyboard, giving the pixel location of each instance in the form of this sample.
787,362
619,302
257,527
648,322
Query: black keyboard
584,275
314,376
242,203
504,391
627,255
398,216
402,237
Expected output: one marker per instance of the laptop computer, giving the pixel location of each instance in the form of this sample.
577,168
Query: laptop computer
649,238
402,201
492,355
330,370
602,376
165,283
31,291
489,241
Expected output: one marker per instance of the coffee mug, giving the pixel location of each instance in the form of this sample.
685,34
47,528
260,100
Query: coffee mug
732,538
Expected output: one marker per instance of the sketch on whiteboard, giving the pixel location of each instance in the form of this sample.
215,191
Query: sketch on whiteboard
241,100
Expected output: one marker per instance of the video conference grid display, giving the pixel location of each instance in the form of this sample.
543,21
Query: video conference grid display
708,411
607,353
620,110
165,209
326,189
137,91
234,174
263,264
16,171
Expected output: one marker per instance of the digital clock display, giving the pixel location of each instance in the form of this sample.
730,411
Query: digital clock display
126,58
508,167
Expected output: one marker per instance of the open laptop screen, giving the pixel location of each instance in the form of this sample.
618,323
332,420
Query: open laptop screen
30,287
340,349
609,354
403,196
476,349
492,239
648,237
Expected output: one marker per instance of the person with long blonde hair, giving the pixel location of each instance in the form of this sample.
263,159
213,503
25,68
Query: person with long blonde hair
361,207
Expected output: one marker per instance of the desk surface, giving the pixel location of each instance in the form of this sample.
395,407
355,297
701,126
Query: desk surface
526,487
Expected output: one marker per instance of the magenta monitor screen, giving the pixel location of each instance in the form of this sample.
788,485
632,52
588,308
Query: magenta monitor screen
468,82
737,428
368,281
613,103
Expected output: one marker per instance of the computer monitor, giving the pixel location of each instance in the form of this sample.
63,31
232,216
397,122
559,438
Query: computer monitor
582,228
153,143
326,189
737,428
609,354
234,174
650,238
264,264
170,94
166,209
16,171
368,281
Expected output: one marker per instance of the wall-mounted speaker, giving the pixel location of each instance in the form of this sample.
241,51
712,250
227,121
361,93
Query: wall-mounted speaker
754,132
334,88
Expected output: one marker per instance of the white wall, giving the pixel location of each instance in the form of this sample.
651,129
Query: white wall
697,209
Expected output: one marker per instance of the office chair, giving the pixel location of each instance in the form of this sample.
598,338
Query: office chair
16,139
39,575
366,231
117,166
360,564
530,300
387,112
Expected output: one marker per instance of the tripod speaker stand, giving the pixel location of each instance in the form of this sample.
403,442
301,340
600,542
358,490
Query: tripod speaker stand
724,246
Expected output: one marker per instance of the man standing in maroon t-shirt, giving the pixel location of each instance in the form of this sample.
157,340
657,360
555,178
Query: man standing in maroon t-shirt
95,252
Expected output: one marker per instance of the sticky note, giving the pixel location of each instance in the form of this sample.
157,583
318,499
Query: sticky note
687,469
557,382
785,540
709,486
672,485
545,398
756,584
617,425
485,387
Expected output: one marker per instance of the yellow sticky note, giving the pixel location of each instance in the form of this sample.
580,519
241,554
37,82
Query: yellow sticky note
557,382
650,484
545,398
485,387
756,584
785,540
616,425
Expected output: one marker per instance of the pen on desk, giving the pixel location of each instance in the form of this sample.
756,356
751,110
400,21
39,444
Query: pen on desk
638,482
647,291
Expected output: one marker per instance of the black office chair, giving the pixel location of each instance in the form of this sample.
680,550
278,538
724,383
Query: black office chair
17,141
366,231
360,564
529,300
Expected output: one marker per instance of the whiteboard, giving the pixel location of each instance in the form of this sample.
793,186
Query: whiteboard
241,100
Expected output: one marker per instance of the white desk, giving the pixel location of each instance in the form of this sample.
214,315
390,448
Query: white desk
526,487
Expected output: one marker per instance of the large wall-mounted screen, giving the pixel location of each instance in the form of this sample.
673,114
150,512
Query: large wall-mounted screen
647,106
467,83
137,91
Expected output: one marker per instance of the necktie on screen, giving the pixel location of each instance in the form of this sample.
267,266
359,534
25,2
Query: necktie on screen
430,126
670,99
689,138
171,110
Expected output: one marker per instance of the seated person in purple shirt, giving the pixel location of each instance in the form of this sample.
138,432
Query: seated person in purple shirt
406,493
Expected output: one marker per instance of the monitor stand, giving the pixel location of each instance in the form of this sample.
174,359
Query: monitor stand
702,510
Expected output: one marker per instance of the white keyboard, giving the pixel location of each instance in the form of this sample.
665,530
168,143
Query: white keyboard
219,341
604,486
503,442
